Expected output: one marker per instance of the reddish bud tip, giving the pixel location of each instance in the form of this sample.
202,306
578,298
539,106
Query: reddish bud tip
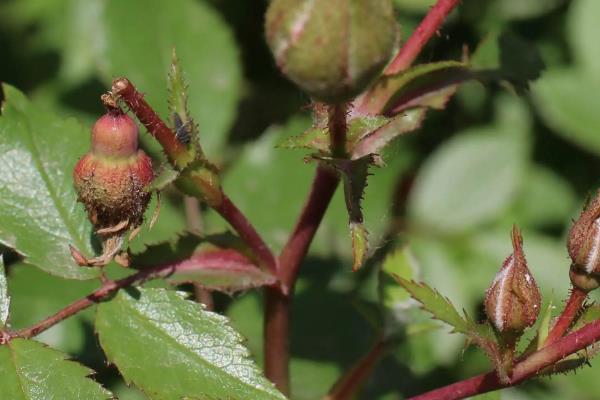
111,179
115,134
512,303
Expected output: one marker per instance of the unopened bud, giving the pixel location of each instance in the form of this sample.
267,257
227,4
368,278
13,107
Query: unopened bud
584,247
332,49
111,178
512,303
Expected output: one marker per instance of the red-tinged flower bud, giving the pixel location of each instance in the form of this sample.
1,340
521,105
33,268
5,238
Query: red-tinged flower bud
332,49
111,179
115,134
512,303
584,247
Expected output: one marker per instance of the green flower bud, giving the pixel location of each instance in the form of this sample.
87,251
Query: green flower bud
333,49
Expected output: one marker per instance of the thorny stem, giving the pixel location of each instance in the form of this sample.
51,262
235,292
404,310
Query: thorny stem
277,311
351,382
123,89
429,26
528,368
108,288
176,151
566,318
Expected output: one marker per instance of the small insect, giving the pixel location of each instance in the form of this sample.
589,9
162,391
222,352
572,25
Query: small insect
183,130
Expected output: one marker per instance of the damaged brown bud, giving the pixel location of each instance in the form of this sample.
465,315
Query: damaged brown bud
584,247
512,303
111,179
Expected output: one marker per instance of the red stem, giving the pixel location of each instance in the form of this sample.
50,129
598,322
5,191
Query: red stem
107,289
528,368
244,228
277,310
175,150
413,46
568,315
179,156
352,381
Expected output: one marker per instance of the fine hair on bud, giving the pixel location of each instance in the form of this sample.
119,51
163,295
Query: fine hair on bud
512,302
332,49
111,178
584,247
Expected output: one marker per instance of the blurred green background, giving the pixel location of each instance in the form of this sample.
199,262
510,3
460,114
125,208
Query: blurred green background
452,189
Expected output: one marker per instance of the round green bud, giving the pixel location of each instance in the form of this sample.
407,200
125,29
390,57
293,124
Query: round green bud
332,49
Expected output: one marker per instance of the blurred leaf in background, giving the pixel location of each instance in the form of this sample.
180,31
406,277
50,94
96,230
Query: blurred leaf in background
450,191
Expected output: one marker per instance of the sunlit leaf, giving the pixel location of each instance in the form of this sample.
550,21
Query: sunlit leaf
171,348
32,371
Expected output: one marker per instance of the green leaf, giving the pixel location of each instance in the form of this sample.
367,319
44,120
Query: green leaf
566,100
181,120
39,213
439,306
547,198
164,177
4,297
317,137
468,180
505,57
376,140
250,180
171,348
140,36
425,85
583,32
354,175
398,263
36,294
32,371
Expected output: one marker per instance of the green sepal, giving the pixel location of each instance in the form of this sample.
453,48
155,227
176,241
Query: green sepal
181,121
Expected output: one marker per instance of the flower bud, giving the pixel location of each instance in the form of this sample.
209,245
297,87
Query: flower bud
584,247
111,178
512,303
332,49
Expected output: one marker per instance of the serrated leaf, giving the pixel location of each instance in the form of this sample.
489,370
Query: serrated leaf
354,176
425,85
147,30
396,301
433,302
213,262
171,348
165,176
376,140
431,85
39,213
224,270
182,123
398,263
4,297
317,137
32,371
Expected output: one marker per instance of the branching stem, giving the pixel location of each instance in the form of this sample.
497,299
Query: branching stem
525,369
426,29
